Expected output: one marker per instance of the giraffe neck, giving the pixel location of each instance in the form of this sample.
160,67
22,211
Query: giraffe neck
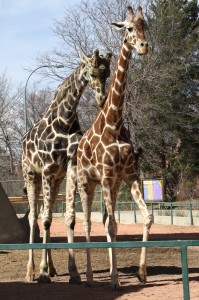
67,97
114,104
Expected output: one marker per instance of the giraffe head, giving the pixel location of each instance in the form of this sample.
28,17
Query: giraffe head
97,70
135,27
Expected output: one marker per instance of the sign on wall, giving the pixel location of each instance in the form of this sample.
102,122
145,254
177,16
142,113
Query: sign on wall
153,189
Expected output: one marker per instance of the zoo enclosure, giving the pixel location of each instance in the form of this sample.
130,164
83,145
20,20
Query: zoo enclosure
169,210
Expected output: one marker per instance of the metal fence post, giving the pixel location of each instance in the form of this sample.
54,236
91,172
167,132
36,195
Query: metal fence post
101,199
185,277
152,211
171,206
118,211
134,210
62,208
191,213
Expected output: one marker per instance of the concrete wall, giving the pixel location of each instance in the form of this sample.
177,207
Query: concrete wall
128,218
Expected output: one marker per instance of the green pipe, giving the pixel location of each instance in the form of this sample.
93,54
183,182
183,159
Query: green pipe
191,213
185,276
86,245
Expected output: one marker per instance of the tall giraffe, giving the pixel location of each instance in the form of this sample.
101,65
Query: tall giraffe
49,154
105,154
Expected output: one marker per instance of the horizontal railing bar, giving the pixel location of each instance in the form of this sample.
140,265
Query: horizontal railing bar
62,197
86,245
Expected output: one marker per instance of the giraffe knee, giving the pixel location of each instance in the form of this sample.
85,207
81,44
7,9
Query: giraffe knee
111,227
31,175
148,221
46,224
70,222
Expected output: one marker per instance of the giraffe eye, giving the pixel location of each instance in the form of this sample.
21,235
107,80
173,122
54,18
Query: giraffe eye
130,29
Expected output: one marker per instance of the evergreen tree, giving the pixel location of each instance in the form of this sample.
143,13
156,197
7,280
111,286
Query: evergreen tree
166,121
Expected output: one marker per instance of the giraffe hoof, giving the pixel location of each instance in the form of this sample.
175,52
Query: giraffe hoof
89,278
75,280
89,283
115,286
141,278
44,278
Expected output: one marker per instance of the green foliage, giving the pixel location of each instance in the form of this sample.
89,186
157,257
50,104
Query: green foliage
124,193
167,126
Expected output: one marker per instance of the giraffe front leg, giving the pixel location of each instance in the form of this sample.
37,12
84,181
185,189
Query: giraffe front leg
30,275
111,231
44,276
147,220
46,216
86,190
33,190
51,268
71,181
109,193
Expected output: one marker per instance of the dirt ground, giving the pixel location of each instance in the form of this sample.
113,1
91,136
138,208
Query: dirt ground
164,267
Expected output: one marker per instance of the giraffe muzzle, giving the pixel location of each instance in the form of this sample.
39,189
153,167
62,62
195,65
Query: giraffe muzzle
143,48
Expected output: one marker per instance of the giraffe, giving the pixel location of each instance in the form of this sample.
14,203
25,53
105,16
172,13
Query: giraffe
105,154
49,154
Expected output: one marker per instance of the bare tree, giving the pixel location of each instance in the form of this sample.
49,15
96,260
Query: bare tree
37,102
9,117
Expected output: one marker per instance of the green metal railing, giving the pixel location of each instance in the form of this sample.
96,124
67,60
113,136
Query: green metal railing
84,245
153,205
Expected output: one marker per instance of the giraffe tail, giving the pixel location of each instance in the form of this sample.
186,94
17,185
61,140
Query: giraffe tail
137,155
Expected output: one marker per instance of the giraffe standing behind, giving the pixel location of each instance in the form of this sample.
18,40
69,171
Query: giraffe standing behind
49,154
105,154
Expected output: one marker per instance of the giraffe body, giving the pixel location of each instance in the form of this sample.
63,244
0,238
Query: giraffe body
105,153
49,154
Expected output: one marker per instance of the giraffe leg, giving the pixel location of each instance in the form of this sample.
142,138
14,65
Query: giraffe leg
44,276
30,275
86,190
111,229
51,268
33,190
71,182
48,186
147,220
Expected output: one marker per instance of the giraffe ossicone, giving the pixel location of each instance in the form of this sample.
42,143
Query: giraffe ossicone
49,155
105,153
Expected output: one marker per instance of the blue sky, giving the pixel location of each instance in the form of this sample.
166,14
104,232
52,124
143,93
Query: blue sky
25,27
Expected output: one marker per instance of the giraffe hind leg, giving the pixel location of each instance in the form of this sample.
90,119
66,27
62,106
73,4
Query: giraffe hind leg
110,193
147,220
51,268
86,190
71,183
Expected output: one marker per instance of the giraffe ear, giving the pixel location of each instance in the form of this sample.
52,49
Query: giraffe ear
139,13
131,14
83,57
118,25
